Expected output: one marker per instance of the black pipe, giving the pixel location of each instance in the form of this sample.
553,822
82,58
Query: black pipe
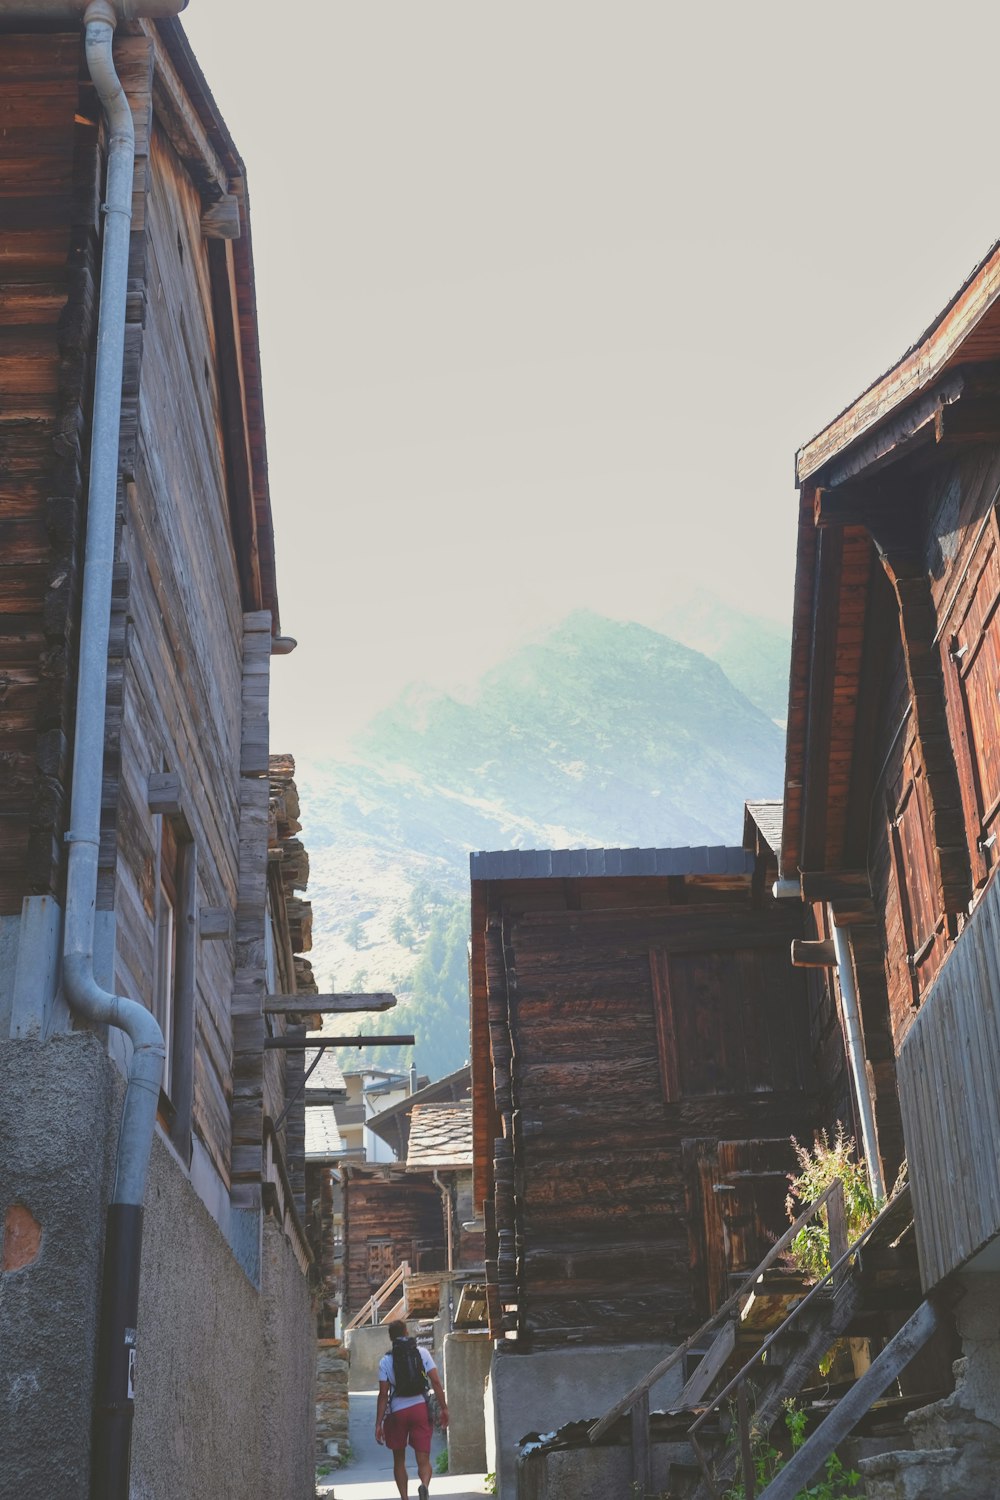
114,1400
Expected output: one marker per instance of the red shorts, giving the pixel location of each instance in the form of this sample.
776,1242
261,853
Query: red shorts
412,1425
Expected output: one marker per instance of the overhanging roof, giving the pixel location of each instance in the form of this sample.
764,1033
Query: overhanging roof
967,331
577,864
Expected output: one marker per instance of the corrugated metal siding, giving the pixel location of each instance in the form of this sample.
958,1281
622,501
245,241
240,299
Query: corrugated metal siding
949,1086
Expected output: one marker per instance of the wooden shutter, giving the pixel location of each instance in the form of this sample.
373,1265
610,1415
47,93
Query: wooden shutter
972,676
915,936
728,1022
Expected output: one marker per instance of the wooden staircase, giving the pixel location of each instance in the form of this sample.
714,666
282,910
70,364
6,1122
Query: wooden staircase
754,1372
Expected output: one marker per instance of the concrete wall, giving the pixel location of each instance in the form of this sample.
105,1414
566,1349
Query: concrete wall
541,1392
225,1372
366,1347
55,1164
466,1371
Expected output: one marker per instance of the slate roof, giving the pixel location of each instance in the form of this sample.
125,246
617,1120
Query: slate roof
323,1139
571,864
328,1076
440,1136
393,1124
767,816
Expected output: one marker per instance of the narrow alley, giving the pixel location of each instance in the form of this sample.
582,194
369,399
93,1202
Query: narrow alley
369,1475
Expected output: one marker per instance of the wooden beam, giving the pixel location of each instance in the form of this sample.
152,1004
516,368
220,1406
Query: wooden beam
709,1367
311,1043
834,885
970,421
327,1005
813,954
163,793
889,1365
215,924
221,220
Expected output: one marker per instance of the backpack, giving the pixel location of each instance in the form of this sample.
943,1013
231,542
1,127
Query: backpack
408,1368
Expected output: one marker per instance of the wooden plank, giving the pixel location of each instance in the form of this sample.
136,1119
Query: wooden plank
887,1367
710,1366
327,1005
314,1040
642,1471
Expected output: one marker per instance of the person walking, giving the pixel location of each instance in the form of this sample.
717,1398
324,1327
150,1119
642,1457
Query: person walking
403,1415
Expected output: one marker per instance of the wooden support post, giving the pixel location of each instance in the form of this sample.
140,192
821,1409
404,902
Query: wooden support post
836,1218
642,1472
810,953
845,1416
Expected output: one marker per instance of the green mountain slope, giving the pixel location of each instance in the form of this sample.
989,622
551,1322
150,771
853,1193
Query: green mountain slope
600,733
753,653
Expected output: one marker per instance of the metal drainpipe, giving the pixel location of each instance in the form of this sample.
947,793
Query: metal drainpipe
856,1056
114,1394
785,890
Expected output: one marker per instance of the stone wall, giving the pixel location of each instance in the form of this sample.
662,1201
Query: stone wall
332,1406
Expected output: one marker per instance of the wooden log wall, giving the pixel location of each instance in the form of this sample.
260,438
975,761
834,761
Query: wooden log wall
251,947
182,674
48,248
400,1212
595,1235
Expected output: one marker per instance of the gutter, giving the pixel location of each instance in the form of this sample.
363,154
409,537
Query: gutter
115,1389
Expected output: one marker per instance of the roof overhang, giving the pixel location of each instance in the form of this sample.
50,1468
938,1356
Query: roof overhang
943,391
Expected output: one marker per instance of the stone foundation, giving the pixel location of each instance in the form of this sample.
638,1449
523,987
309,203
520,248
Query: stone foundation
956,1441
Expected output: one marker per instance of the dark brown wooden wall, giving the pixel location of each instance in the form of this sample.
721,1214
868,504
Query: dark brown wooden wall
406,1211
599,1214
48,249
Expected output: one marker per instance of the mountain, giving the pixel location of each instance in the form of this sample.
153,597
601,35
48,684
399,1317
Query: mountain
599,733
753,653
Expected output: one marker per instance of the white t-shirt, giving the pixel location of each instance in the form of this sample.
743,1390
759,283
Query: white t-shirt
388,1373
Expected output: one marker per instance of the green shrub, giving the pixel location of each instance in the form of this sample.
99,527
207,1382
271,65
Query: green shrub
819,1167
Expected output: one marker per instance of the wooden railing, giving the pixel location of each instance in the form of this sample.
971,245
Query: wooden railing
636,1401
841,1256
371,1312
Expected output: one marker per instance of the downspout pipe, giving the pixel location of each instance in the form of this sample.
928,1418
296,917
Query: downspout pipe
856,1057
787,890
115,1390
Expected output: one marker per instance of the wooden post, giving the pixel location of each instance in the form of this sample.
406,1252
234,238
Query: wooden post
746,1447
836,1218
642,1475
845,1416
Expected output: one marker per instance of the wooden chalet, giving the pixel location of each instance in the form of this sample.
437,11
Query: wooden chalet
642,1053
892,790
199,916
393,1219
638,1036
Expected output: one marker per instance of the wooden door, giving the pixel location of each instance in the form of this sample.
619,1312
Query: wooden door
738,1190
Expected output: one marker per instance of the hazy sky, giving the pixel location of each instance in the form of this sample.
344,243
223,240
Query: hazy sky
550,293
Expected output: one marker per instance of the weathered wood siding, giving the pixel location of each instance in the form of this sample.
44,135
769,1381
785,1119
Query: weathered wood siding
48,254
180,698
949,1067
624,1039
388,1218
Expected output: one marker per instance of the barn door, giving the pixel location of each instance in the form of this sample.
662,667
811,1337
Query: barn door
738,1191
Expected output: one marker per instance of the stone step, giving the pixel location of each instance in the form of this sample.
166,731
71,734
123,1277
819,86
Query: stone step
915,1475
